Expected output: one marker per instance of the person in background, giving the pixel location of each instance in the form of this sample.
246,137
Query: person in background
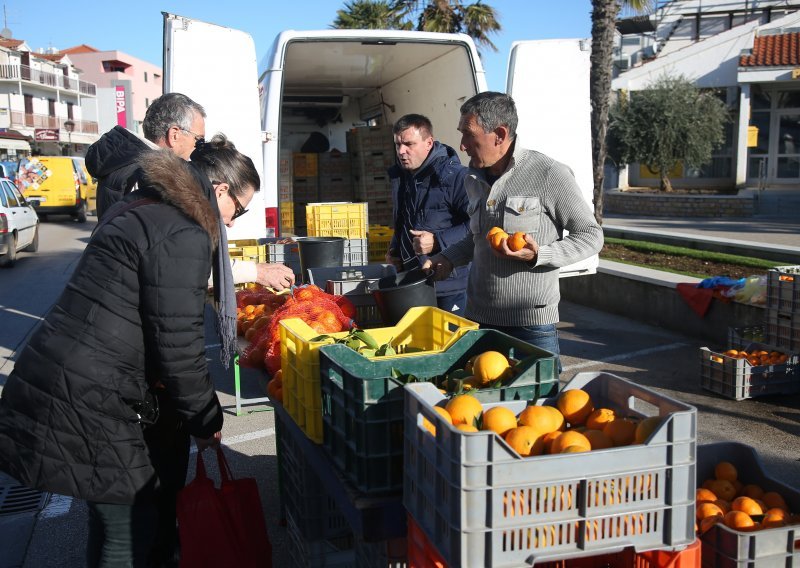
430,205
102,399
175,122
518,190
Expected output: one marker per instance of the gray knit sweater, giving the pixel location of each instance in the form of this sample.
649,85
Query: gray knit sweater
538,196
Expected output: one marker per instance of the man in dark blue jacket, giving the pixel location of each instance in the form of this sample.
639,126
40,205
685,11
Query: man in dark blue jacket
430,205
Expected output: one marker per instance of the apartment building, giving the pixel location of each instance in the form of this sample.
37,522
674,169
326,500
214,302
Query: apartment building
748,52
126,85
45,107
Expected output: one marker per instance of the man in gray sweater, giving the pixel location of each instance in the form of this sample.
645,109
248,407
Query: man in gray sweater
518,190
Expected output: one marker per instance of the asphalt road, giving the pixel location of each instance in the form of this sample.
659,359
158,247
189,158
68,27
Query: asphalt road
591,341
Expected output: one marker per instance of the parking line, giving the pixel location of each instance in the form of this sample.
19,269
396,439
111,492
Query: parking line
624,356
241,438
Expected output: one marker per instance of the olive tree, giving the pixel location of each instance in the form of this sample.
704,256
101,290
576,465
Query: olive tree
668,122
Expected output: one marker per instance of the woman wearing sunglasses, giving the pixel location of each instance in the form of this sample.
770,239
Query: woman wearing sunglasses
104,396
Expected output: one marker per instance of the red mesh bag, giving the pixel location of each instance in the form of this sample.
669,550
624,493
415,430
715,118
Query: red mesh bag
346,306
257,296
315,307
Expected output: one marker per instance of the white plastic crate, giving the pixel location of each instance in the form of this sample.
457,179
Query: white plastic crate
356,252
481,504
727,548
352,281
739,380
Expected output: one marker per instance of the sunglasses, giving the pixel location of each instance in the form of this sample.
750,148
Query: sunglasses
198,138
239,209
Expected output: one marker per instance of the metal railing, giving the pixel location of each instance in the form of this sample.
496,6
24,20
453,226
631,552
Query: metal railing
32,75
30,120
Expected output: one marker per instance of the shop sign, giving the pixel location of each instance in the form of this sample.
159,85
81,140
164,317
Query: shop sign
43,134
121,105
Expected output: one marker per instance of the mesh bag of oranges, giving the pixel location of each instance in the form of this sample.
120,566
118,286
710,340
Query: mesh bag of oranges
323,312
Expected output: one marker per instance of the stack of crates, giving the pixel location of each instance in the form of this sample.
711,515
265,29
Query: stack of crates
285,192
783,308
335,176
353,282
379,237
305,186
479,503
372,150
346,220
254,250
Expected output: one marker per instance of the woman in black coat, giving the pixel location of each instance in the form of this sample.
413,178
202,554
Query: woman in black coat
75,408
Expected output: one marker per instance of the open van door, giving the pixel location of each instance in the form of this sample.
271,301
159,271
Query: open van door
217,67
549,81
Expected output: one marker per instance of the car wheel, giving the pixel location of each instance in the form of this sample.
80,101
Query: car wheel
34,246
7,260
42,218
80,215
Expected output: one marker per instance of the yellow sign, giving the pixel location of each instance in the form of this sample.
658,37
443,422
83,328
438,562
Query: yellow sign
647,172
796,73
752,136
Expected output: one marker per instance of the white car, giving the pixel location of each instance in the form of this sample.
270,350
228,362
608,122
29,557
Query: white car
19,224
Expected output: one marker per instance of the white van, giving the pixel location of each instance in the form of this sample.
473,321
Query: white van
332,81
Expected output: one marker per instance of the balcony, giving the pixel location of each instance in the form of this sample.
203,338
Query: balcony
30,75
29,120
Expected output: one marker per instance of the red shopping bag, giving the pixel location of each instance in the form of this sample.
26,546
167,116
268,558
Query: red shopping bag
222,527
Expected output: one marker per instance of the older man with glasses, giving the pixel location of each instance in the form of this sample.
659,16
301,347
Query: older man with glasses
176,122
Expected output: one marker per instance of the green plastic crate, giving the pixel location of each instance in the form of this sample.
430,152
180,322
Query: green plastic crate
362,404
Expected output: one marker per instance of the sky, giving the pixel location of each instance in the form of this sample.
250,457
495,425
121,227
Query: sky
136,27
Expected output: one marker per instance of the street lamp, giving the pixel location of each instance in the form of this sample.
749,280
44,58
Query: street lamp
69,126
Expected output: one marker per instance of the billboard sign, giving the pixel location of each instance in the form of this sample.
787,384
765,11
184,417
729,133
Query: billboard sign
44,134
121,103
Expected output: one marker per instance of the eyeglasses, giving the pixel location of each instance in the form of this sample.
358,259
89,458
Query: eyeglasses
198,138
239,209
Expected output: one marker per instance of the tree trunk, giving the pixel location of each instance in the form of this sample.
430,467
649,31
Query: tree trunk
666,185
604,15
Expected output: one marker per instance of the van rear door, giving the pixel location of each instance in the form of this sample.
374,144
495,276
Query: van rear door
217,67
549,81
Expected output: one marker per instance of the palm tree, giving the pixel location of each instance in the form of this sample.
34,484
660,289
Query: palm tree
477,20
604,17
371,15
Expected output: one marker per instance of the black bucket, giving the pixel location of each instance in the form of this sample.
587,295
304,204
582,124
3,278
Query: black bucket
394,295
319,252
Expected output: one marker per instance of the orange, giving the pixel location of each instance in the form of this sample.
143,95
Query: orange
497,240
567,439
543,418
707,483
774,500
753,491
726,470
576,406
709,522
704,494
576,449
746,505
621,431
524,440
723,504
466,428
724,489
492,231
731,353
443,413
598,439
708,510
599,418
490,366
516,241
738,520
772,521
547,440
499,419
464,409
775,512
645,428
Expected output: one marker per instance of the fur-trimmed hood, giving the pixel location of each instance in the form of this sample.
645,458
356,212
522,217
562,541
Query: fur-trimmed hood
173,178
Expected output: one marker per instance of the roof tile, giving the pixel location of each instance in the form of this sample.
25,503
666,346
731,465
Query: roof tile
773,50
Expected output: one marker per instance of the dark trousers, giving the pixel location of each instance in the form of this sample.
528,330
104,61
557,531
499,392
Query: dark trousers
145,534
454,303
543,336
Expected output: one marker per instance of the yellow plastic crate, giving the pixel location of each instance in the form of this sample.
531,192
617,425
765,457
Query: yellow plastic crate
347,220
427,328
247,249
287,217
378,240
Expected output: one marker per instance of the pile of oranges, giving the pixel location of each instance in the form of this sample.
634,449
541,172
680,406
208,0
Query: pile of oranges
758,357
251,318
275,386
742,507
573,425
497,235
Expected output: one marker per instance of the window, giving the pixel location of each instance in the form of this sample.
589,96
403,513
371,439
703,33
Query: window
11,196
145,76
3,198
113,66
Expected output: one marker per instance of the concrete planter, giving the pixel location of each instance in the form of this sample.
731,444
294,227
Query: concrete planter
661,204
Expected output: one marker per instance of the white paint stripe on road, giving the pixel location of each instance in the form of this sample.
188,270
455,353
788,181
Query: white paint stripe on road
624,356
241,438
19,313
57,505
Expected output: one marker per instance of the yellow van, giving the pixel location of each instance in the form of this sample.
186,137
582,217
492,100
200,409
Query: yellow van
57,185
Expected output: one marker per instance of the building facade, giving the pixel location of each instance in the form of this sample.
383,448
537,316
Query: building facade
126,85
44,106
748,52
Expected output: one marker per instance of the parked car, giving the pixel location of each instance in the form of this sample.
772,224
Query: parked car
57,185
19,224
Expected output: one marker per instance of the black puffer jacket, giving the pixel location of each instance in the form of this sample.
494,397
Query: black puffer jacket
131,313
113,161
